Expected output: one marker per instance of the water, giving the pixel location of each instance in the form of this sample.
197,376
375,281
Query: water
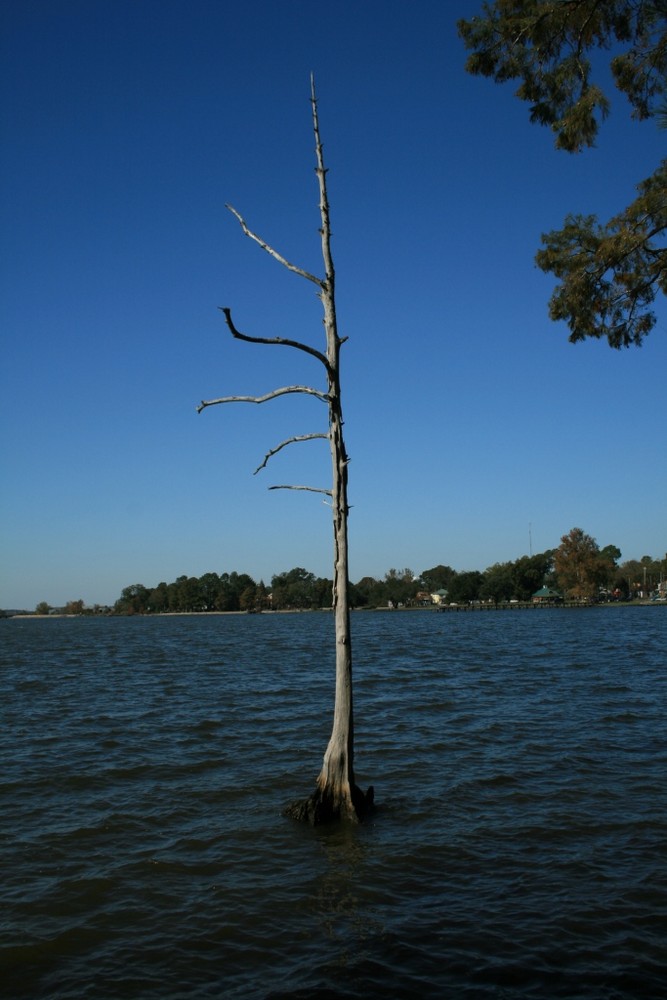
519,847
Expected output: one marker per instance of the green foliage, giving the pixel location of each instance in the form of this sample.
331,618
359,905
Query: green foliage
581,568
530,573
133,600
609,273
299,589
498,583
465,587
74,607
546,45
368,592
400,587
437,578
637,577
190,594
611,552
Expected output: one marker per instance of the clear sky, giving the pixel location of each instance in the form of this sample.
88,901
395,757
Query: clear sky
475,429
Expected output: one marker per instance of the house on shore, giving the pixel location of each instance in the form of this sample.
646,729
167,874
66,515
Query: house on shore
439,597
545,595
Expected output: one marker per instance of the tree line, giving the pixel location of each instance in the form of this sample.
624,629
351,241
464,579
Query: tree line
578,569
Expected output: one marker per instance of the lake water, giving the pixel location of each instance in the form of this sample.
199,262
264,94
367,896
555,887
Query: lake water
518,848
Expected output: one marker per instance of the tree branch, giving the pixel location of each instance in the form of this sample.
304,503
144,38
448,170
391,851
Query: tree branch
306,389
309,489
283,444
274,253
271,340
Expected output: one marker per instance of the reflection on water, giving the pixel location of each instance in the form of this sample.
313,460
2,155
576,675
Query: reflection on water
518,847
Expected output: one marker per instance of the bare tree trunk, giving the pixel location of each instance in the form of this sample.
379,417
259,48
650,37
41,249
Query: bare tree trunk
336,796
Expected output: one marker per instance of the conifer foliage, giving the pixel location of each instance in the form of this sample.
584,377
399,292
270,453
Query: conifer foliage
610,272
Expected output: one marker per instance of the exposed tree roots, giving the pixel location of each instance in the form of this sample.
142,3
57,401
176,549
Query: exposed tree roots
325,805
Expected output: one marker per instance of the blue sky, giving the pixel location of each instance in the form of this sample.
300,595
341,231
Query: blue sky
475,429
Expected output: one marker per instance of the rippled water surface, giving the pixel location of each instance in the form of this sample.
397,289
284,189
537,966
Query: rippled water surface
519,847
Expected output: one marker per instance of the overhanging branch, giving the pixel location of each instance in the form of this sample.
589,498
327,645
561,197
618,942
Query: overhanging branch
274,253
305,389
283,444
309,489
271,340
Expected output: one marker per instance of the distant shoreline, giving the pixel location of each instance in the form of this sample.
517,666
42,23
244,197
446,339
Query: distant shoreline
444,609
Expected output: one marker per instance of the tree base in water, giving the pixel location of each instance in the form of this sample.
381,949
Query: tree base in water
325,806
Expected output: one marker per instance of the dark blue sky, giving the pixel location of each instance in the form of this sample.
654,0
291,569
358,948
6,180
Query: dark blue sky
126,127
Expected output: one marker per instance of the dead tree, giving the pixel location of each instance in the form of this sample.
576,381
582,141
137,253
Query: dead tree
336,796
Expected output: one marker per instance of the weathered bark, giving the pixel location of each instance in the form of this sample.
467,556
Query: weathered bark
336,795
